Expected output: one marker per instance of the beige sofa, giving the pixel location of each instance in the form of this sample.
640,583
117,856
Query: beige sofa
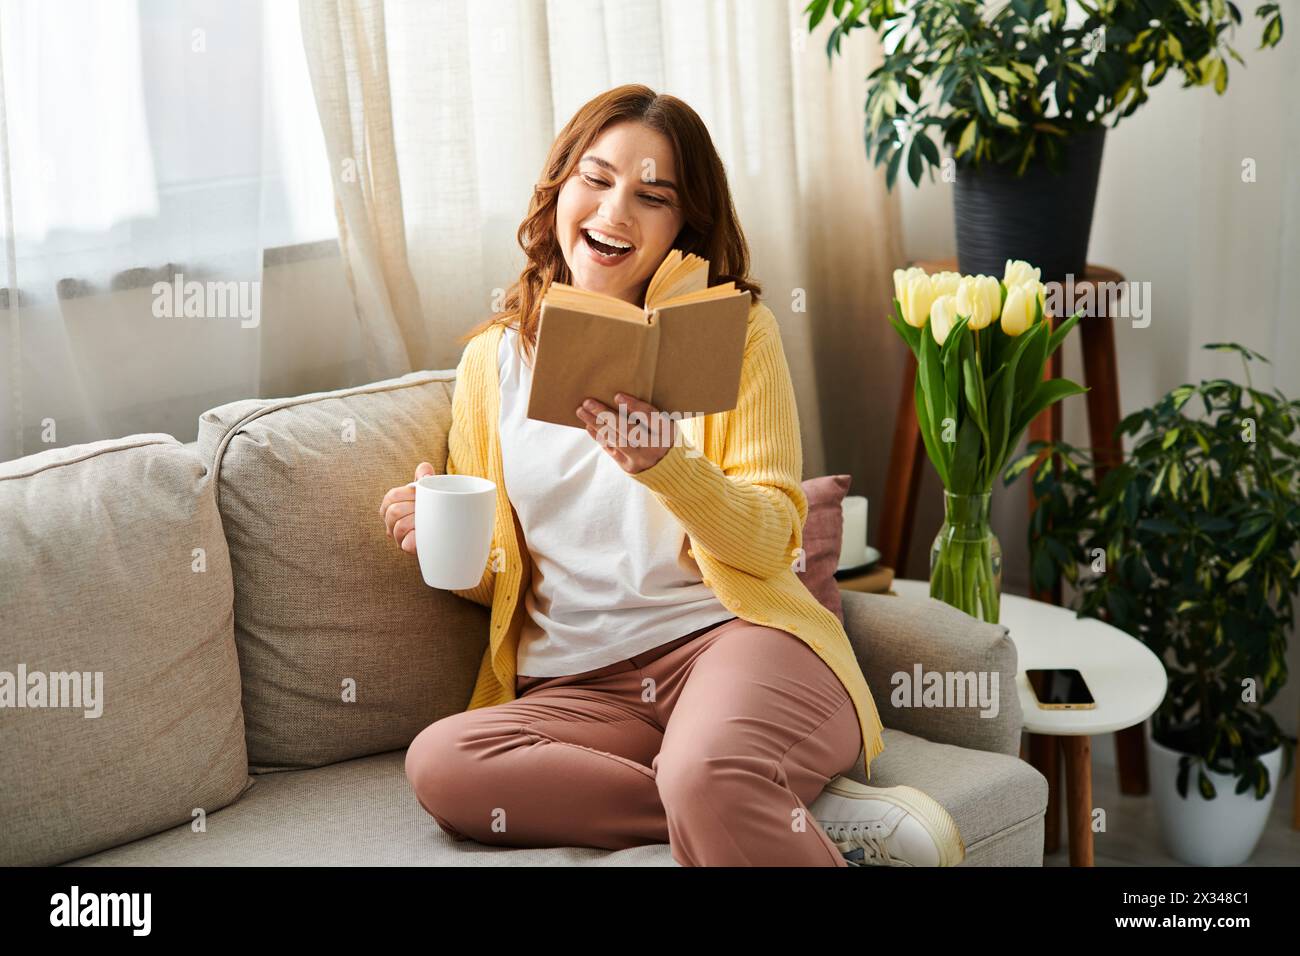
266,654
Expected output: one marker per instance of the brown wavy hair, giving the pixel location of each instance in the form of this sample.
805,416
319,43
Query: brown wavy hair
710,228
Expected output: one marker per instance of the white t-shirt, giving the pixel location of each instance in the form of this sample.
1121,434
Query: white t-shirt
611,576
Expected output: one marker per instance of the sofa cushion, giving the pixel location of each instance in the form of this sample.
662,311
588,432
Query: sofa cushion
823,534
344,651
114,566
363,813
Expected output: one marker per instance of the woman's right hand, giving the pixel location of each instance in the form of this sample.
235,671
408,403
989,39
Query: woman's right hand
398,511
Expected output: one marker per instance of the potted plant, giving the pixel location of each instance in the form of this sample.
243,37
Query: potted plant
981,346
1022,96
1191,541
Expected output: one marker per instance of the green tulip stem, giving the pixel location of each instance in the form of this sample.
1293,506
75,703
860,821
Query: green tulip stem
963,560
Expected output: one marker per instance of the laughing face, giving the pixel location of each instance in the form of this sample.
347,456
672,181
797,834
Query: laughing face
619,213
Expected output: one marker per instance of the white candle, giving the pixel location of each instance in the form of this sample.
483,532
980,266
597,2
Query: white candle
853,546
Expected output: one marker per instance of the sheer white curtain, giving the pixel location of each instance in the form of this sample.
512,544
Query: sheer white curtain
144,138
140,139
462,100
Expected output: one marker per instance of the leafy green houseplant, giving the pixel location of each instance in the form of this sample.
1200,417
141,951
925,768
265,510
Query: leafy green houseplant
1015,80
1191,541
1021,93
981,346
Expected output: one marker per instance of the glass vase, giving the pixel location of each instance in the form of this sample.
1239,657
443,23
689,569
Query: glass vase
966,557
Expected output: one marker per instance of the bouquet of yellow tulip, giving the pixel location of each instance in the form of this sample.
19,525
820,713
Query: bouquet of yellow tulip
975,395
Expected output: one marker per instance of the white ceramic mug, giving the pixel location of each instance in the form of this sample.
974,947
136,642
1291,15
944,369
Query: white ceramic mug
455,516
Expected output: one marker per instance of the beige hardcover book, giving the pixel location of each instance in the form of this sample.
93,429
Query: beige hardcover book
681,352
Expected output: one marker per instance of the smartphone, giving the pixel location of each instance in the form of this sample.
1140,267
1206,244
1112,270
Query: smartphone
1060,688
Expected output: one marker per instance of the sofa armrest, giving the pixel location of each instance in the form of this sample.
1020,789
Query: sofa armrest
903,643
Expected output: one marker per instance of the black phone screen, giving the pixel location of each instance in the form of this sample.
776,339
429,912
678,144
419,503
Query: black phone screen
1059,686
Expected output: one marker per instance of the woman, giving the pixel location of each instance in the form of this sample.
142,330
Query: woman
656,671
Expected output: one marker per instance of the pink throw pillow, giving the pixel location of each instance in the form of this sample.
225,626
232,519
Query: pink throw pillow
823,532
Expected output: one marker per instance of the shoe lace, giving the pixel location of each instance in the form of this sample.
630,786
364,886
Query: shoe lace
852,837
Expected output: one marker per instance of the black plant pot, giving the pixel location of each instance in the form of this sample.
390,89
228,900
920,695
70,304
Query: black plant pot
1041,217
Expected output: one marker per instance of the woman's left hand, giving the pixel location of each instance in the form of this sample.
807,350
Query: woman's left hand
638,442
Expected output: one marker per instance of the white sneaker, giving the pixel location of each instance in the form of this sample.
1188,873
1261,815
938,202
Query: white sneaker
887,826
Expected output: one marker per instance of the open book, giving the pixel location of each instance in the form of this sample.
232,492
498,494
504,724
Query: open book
681,352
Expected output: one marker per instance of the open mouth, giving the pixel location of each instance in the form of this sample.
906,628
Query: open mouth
604,250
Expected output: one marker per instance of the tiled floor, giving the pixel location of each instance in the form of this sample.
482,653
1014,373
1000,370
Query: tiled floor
1132,836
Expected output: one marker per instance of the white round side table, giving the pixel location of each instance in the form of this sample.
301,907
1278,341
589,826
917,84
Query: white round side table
1127,681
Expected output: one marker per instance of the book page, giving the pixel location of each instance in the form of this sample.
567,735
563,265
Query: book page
703,295
689,275
595,303
661,275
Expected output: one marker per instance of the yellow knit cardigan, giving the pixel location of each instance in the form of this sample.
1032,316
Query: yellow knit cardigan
741,504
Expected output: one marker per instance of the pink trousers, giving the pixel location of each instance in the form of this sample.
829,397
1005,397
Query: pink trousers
714,743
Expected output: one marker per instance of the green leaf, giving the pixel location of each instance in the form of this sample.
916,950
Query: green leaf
1272,32
1238,570
990,101
1061,331
937,453
967,138
1029,367
973,383
1261,782
914,163
1264,543
891,171
931,383
1205,786
1159,482
928,149
952,343
1025,70
1021,464
1003,74
910,335
1003,403
951,355
1044,394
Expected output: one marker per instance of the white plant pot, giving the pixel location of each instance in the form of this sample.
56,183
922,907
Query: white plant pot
1218,832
